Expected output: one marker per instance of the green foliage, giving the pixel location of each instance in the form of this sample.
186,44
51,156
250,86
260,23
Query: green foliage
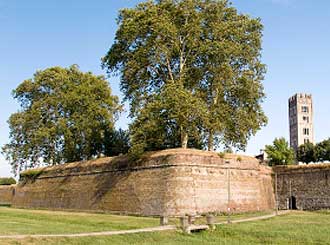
280,153
64,116
221,154
31,174
116,142
228,150
322,151
309,152
7,181
191,72
155,128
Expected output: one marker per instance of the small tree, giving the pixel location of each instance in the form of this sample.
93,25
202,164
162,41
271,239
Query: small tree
307,153
322,150
279,153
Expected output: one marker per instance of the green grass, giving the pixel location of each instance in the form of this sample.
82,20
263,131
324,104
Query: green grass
293,228
22,221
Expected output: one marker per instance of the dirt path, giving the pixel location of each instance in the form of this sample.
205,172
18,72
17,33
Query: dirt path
101,233
255,218
110,233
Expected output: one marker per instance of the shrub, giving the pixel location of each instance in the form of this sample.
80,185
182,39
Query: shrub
31,174
221,154
7,181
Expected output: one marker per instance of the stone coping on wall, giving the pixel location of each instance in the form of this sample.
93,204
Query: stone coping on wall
302,168
5,187
159,159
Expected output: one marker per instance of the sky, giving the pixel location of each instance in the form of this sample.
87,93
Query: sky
38,34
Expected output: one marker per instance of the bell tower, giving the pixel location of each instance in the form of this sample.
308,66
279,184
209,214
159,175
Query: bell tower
301,120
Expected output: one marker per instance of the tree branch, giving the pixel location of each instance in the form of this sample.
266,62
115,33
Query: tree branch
169,69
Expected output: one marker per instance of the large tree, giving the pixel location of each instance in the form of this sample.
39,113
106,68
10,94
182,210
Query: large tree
64,116
190,69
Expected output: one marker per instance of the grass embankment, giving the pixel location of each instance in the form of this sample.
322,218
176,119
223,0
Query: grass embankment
293,228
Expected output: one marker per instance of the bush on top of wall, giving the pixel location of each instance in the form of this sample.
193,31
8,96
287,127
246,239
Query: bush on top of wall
7,181
31,174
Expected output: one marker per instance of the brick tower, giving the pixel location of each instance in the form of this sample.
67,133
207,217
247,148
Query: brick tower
301,120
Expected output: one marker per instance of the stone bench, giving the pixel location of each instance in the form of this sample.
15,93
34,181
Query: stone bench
188,226
196,228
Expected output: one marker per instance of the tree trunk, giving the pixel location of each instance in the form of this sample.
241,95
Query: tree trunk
184,139
210,141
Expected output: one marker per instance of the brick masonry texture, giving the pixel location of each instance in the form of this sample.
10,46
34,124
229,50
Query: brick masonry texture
7,193
308,185
170,182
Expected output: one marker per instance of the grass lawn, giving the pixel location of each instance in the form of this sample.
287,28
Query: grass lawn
293,228
23,221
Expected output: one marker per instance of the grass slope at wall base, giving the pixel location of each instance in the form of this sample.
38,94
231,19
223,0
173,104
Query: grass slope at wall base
170,182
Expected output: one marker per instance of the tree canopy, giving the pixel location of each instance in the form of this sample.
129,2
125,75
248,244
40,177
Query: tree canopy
306,153
309,152
279,153
322,151
191,72
64,116
116,142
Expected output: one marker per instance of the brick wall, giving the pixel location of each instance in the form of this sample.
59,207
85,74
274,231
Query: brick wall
7,193
170,182
308,187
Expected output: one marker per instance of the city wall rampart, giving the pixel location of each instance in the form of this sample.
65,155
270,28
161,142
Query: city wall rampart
7,193
305,187
171,182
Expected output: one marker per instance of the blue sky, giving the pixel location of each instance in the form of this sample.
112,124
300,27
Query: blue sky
38,34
